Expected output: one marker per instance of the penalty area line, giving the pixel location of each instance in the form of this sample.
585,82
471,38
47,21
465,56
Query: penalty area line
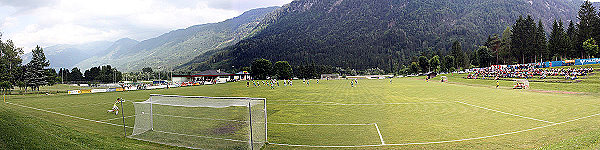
505,112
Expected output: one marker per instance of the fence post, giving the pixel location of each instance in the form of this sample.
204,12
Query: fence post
250,114
123,114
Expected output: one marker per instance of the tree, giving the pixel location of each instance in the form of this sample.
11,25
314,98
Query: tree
5,86
92,74
35,75
494,43
10,62
261,68
414,68
504,50
541,43
423,64
147,70
461,58
556,40
523,40
570,40
75,75
587,27
484,56
434,63
64,74
283,70
51,77
590,47
448,63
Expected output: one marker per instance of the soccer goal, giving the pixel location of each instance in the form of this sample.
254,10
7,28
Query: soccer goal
202,122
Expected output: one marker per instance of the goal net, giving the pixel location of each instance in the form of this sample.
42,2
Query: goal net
202,122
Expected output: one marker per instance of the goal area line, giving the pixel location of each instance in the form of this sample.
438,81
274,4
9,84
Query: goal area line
504,112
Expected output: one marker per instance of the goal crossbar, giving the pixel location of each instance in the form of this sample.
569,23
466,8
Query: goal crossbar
174,120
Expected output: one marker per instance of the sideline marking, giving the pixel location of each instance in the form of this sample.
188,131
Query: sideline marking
93,104
71,116
504,112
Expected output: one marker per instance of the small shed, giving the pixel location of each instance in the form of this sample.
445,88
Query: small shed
431,75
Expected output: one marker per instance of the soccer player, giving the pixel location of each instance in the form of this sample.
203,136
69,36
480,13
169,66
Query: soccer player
497,84
247,84
115,108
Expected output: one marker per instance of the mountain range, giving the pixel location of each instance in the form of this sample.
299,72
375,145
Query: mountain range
358,34
66,55
161,53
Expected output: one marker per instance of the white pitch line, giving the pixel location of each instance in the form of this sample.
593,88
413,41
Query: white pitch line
379,132
93,104
508,133
308,124
200,136
297,124
436,142
299,101
199,118
365,104
504,112
120,117
325,146
70,115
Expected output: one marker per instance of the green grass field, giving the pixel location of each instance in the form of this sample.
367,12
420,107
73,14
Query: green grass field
410,114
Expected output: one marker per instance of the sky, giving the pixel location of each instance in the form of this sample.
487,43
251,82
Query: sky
50,22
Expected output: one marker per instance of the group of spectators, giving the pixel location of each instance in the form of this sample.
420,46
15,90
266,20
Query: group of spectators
527,71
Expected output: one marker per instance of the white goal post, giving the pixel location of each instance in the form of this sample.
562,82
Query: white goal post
201,122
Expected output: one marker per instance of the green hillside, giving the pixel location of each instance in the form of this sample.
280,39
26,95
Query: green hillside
364,34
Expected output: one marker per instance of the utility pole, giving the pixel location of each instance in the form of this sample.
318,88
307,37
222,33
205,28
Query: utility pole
62,75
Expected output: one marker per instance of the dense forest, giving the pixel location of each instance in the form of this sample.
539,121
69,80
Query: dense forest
524,42
364,34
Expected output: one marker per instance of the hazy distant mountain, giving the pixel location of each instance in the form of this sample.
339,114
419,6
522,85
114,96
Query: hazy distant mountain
180,46
119,46
67,55
365,34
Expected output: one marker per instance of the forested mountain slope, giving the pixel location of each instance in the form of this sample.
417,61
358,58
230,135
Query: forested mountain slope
364,34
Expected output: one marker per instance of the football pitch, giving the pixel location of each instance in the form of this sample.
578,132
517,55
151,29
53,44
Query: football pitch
407,113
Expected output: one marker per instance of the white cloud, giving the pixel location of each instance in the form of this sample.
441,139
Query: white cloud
45,23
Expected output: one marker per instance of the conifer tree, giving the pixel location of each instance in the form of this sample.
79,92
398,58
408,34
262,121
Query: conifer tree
35,75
